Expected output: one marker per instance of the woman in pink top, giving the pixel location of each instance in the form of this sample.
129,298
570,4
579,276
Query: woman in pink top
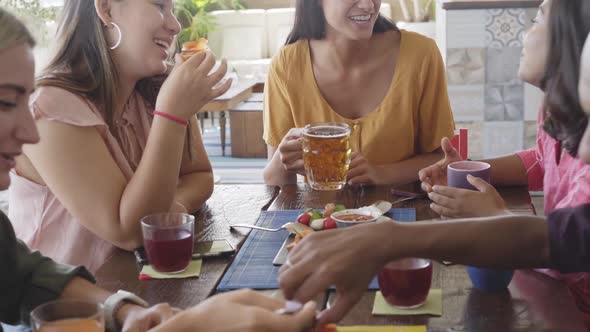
119,139
551,61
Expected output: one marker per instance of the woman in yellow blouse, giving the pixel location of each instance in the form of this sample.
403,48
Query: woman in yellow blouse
346,63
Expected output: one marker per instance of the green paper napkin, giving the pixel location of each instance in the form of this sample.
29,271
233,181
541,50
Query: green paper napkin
432,306
192,270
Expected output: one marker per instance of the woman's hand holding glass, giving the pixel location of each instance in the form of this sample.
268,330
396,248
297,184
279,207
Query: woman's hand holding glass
191,85
291,151
463,203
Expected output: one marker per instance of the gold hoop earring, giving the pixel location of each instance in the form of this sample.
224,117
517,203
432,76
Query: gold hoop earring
120,36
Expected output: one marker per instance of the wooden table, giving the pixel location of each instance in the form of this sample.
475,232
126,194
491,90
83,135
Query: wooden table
235,95
229,204
533,303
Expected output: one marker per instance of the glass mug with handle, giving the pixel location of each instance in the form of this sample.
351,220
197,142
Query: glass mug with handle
326,155
68,316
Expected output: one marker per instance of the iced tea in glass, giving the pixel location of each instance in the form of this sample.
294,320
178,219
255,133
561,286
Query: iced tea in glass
326,155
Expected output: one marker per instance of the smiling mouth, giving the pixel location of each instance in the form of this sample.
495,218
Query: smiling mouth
361,18
8,157
163,44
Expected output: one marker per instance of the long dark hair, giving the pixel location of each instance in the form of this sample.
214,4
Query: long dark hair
310,22
83,64
565,120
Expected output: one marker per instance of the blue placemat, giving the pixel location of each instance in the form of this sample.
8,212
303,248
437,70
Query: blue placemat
253,268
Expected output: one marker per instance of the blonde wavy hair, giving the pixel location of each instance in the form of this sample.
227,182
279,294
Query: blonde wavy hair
13,31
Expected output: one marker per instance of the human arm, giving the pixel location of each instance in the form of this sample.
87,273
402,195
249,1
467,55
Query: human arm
505,171
569,238
285,161
484,201
508,171
31,279
464,203
242,310
362,172
321,260
195,184
89,183
129,317
284,146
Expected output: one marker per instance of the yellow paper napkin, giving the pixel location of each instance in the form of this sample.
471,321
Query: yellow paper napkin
432,306
421,328
192,270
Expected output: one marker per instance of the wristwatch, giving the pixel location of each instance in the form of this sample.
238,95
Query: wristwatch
114,302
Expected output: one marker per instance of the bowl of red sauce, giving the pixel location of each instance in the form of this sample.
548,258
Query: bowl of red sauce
351,217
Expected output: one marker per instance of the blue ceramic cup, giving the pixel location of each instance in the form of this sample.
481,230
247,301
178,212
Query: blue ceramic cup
489,280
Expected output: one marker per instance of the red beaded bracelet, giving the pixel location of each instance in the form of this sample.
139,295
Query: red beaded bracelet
171,117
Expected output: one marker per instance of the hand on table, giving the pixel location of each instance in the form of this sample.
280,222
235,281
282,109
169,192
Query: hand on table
437,174
463,203
243,310
361,171
134,318
347,258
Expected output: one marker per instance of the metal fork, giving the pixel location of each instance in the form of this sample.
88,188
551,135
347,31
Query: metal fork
404,199
259,228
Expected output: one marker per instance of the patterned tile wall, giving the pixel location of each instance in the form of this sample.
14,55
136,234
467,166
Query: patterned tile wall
467,102
502,138
504,27
483,54
465,29
466,66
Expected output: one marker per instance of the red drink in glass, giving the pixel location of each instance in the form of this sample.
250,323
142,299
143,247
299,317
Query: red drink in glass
405,283
170,250
168,240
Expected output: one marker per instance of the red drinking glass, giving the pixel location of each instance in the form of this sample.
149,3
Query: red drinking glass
168,240
405,283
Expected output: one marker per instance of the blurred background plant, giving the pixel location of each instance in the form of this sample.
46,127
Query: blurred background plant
37,17
195,19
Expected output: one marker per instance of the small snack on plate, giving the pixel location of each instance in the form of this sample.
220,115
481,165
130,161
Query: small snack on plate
355,217
320,219
315,220
193,47
351,217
